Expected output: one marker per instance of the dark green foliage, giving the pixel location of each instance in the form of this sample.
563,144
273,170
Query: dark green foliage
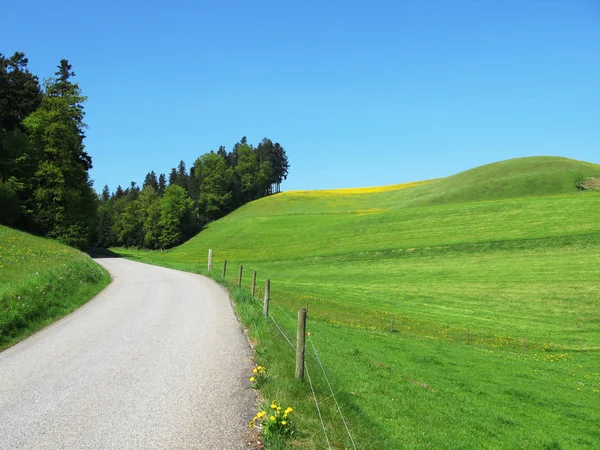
162,184
176,216
151,180
217,183
44,182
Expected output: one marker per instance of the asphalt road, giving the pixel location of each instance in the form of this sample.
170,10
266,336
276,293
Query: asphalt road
156,361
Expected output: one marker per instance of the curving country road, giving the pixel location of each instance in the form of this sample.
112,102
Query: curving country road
157,360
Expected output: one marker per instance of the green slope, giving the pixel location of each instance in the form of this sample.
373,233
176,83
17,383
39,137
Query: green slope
507,251
41,281
514,178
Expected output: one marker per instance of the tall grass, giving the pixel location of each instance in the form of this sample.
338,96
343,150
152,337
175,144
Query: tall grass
41,281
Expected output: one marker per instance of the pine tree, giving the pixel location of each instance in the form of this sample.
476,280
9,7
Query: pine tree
64,202
162,184
151,180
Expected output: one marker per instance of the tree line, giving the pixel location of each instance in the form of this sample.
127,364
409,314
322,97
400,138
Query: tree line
44,182
44,173
166,212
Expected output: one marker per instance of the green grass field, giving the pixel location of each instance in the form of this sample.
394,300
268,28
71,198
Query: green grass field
41,281
507,251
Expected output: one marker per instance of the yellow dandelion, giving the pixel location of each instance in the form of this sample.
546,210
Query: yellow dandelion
255,371
261,414
288,410
272,418
252,379
283,422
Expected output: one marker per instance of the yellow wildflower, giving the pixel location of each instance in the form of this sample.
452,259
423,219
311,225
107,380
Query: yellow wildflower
255,371
288,410
283,422
261,414
252,379
272,418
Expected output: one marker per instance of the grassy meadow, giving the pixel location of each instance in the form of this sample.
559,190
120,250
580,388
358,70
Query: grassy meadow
500,253
41,281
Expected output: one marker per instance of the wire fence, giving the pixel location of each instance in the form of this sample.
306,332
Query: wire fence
289,342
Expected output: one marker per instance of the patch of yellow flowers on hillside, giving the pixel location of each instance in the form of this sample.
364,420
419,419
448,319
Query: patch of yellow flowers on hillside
352,191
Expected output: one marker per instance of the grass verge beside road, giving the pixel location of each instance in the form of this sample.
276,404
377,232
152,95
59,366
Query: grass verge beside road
40,282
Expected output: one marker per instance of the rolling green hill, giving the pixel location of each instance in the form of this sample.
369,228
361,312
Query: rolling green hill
41,281
501,253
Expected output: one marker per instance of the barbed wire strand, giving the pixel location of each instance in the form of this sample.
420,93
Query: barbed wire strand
317,405
331,390
308,376
281,331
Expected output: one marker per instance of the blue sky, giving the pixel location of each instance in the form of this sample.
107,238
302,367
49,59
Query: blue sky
359,94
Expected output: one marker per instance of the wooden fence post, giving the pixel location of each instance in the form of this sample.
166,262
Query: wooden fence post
240,276
253,282
224,268
209,259
300,343
267,297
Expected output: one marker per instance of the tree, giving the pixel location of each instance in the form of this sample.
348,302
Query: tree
246,171
173,176
151,180
215,180
105,196
276,169
20,95
20,92
281,165
150,210
105,234
176,216
182,175
64,202
162,184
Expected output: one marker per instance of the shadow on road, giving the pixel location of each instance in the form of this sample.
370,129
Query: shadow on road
98,253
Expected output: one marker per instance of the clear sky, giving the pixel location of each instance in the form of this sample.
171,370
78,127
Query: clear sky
358,93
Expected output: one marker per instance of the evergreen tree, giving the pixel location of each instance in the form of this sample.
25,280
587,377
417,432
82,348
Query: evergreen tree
222,152
162,184
64,203
20,95
173,176
182,176
151,180
105,196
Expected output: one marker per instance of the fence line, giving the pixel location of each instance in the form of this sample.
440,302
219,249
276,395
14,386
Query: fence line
331,390
308,374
